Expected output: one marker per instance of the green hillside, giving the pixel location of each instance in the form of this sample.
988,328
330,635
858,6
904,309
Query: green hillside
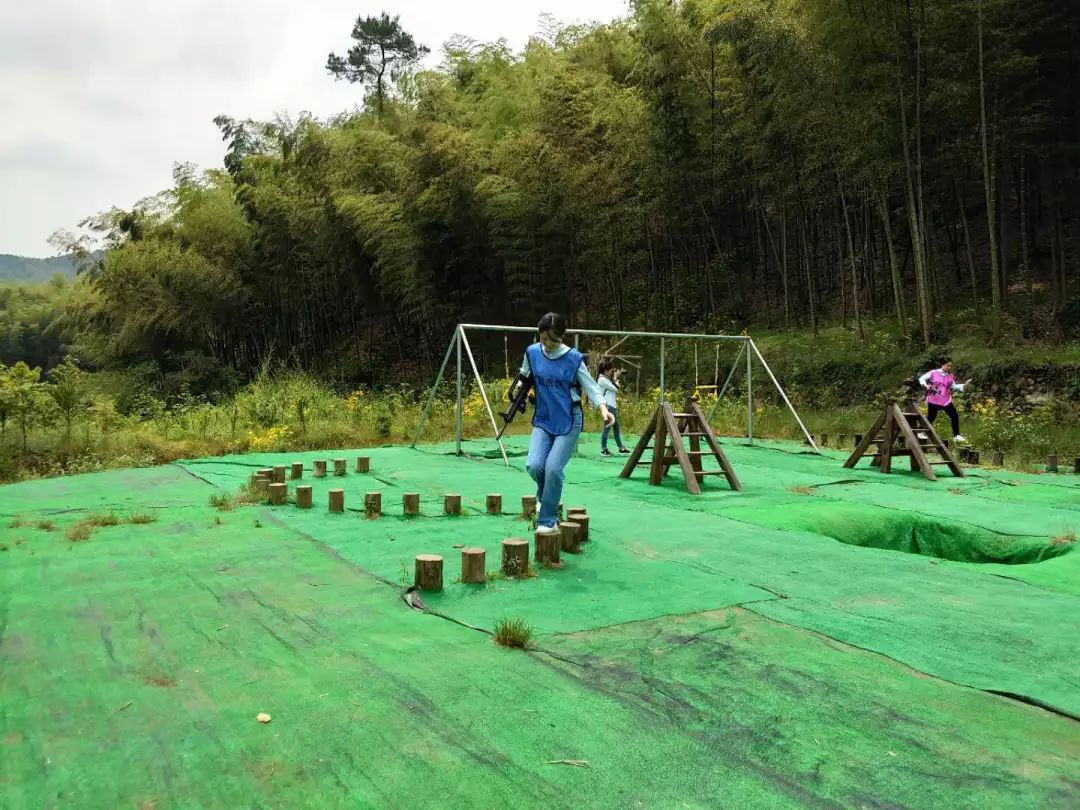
22,268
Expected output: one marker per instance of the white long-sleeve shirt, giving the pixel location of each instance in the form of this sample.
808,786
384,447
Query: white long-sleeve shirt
924,380
609,388
584,379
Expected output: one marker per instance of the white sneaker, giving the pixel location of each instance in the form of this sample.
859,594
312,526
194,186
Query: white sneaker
547,530
959,438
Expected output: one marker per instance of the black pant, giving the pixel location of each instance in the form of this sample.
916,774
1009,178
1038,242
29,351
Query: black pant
950,409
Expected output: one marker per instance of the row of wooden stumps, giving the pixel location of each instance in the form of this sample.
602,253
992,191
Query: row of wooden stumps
547,551
270,481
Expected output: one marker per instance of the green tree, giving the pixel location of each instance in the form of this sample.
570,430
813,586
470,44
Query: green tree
69,393
383,50
29,403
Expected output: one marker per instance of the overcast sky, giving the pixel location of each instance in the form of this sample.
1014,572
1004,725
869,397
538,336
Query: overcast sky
99,99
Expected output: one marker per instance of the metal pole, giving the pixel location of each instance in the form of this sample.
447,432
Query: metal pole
787,401
749,398
488,327
457,418
483,395
662,350
727,382
434,390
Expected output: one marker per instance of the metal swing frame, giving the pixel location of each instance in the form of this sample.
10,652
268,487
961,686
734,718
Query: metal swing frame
459,346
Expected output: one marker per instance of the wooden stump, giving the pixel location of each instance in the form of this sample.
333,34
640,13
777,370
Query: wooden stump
824,440
571,538
363,464
318,468
267,472
528,507
373,504
473,562
998,459
974,457
451,504
548,545
841,439
337,500
494,504
303,497
255,479
582,520
297,470
429,572
339,466
410,503
278,493
515,557
262,486
279,475
1052,463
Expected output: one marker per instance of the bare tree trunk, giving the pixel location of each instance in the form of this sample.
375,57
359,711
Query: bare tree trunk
988,188
809,274
921,292
854,266
967,245
894,267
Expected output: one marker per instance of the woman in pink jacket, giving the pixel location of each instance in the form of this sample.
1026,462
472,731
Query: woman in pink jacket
940,384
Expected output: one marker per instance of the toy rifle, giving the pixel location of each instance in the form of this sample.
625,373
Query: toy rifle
518,394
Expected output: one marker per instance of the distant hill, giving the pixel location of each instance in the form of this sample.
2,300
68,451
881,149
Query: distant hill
21,268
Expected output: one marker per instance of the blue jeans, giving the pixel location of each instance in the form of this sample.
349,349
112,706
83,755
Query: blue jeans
604,432
548,457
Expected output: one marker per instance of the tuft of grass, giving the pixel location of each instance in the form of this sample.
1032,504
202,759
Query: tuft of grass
223,501
96,521
140,518
3,547
45,525
79,532
258,524
801,489
17,523
218,521
1065,539
514,633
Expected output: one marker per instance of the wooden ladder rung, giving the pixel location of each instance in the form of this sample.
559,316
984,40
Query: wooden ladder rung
709,472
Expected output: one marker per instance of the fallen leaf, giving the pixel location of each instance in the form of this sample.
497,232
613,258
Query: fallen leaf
125,706
224,626
577,763
262,717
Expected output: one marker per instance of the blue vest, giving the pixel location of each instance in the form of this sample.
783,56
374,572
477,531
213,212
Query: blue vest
553,380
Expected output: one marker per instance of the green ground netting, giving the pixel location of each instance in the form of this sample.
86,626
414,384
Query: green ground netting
833,647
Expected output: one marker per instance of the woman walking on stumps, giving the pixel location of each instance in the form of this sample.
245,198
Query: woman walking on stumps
940,383
560,377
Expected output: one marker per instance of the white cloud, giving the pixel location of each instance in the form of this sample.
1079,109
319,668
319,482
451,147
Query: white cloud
99,100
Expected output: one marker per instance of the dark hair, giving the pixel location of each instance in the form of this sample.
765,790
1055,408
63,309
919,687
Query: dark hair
604,367
945,359
553,323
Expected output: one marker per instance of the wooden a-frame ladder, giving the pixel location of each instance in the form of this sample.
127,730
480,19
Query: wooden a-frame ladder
667,430
905,432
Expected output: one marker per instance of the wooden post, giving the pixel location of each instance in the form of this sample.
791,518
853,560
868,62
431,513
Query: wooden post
570,537
473,566
373,504
363,464
337,500
582,520
452,504
1052,463
974,457
262,486
303,496
841,439
297,470
515,557
339,466
1076,466
998,459
429,572
528,507
494,504
278,492
410,503
278,476
824,439
548,545
858,439
318,468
